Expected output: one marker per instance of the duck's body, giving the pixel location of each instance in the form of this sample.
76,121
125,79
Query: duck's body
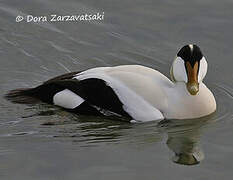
133,91
139,88
149,95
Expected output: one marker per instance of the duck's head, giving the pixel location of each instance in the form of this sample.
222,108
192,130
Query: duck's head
188,158
190,67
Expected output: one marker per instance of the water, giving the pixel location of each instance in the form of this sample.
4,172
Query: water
44,142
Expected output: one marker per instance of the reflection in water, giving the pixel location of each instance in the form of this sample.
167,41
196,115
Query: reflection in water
186,147
183,135
184,139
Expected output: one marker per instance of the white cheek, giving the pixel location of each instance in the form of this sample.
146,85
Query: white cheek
202,69
179,70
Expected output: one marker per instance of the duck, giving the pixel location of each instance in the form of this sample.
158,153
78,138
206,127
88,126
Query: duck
131,92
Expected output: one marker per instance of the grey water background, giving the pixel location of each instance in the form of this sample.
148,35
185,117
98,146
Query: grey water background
45,142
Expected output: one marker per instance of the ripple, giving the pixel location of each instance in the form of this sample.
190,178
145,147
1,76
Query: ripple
26,53
9,42
59,48
10,122
228,90
63,66
224,96
23,133
147,59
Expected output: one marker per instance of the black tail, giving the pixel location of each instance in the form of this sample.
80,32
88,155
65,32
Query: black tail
21,96
42,93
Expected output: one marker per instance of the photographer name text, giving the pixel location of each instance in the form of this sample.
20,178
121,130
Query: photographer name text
61,18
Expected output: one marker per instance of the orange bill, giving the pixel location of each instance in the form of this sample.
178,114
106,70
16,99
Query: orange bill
192,73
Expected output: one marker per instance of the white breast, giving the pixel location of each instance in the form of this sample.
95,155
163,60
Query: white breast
182,105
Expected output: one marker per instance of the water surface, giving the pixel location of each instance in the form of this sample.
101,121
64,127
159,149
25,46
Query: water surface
45,142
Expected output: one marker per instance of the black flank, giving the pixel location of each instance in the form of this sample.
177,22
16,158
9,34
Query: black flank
94,91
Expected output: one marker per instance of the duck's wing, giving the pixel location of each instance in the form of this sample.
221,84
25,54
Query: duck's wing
138,88
145,83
